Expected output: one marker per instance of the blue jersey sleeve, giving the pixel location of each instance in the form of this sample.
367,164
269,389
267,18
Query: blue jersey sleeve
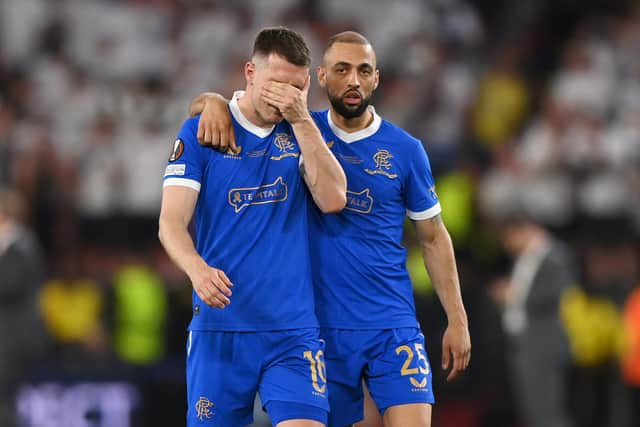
421,200
188,159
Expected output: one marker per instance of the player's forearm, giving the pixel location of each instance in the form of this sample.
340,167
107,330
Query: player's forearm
199,102
440,262
176,240
322,172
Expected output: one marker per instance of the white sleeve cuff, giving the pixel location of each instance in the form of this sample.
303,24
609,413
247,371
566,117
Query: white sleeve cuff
426,214
182,182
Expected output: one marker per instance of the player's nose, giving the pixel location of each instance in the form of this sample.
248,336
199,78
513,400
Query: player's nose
353,79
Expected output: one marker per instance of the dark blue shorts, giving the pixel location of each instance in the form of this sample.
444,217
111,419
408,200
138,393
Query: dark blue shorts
226,369
392,362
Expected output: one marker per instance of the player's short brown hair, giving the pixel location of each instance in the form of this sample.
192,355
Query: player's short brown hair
347,37
283,42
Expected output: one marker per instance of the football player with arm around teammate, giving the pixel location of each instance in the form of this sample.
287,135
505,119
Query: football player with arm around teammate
364,298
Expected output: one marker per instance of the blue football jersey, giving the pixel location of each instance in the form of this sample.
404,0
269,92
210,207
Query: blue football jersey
359,263
251,221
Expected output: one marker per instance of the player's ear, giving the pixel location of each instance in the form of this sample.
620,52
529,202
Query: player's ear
249,71
322,76
307,84
376,80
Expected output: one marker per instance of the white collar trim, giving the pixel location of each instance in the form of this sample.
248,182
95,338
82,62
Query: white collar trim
350,137
243,121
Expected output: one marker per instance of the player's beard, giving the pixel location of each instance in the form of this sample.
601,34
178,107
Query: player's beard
348,112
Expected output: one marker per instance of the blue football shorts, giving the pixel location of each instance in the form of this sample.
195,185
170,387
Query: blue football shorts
226,369
392,362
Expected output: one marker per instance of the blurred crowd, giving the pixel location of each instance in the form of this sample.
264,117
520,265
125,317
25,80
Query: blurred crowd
530,113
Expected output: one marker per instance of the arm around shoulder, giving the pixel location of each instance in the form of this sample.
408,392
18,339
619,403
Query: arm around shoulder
215,127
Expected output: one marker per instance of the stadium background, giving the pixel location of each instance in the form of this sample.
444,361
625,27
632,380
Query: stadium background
540,98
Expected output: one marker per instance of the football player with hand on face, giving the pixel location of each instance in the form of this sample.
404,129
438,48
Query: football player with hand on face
364,297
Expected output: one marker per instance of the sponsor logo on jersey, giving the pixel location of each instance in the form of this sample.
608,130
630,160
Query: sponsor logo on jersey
361,202
420,384
432,193
240,198
231,155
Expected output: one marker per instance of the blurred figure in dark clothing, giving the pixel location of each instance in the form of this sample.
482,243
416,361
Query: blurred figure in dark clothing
21,275
602,394
537,348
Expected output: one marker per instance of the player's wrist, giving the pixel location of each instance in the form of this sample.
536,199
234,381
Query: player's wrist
458,322
215,98
193,265
458,319
215,103
304,119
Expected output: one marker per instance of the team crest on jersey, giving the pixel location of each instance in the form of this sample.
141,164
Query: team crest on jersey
361,202
178,149
285,145
330,144
276,192
203,408
382,159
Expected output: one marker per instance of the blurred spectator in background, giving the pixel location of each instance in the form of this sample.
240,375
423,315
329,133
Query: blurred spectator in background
502,101
140,313
537,347
73,306
7,124
593,316
631,354
22,272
